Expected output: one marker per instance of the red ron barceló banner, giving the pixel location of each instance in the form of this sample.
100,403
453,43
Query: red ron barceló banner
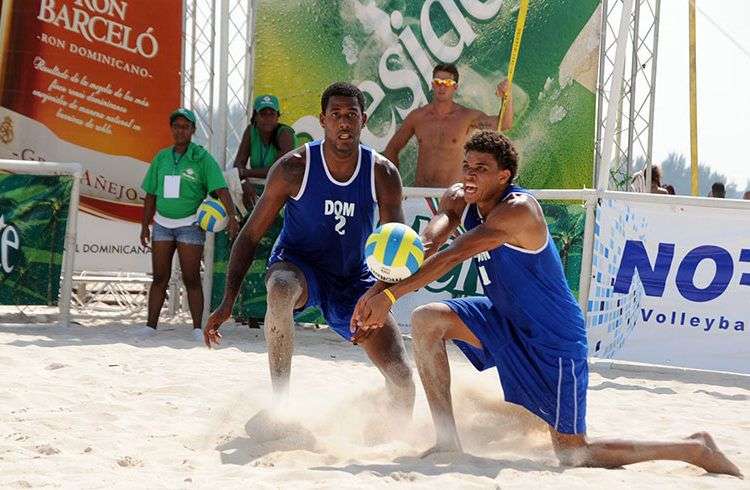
91,81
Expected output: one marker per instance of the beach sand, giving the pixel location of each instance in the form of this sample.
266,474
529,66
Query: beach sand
92,407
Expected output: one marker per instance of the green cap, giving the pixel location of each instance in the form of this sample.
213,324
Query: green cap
266,101
182,112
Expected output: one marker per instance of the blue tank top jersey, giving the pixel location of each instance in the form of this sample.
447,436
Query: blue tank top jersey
528,287
327,223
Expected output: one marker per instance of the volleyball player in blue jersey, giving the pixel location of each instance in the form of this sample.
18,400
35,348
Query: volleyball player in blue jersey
528,325
329,191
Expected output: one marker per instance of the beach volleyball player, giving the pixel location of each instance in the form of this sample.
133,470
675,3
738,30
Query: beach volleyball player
528,325
329,191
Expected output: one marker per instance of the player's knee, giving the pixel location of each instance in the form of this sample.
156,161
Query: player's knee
282,287
424,325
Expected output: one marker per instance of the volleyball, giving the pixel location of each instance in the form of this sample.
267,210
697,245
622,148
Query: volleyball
212,216
394,252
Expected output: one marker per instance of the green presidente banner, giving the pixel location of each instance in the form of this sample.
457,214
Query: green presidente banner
33,220
388,48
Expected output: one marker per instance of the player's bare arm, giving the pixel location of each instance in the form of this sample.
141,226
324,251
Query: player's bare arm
446,220
502,226
435,234
487,236
284,180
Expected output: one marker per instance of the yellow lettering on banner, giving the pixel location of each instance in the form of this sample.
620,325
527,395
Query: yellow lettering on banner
88,91
67,117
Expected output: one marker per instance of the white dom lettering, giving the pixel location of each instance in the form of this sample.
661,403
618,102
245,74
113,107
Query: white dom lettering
340,210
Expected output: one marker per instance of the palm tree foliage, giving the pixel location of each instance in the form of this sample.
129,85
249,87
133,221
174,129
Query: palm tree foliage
37,206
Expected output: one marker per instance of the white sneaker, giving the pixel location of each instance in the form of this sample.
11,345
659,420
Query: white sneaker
198,334
144,332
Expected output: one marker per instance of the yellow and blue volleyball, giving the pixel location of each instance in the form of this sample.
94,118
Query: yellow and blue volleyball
393,252
212,216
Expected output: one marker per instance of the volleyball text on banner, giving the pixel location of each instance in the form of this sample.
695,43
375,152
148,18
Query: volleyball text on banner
665,291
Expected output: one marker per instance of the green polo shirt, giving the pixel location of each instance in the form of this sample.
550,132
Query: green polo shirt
199,174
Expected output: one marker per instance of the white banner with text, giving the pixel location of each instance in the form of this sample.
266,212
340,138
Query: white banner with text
670,285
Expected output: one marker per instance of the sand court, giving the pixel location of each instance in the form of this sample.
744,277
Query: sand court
92,407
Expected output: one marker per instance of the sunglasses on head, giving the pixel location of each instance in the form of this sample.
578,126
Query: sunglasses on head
446,82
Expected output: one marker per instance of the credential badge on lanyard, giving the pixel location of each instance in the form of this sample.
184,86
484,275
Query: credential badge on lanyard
172,182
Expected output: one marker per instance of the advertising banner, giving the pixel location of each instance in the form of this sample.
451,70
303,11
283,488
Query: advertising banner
566,222
670,285
33,219
91,82
388,48
106,244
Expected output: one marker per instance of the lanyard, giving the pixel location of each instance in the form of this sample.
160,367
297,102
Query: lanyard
177,159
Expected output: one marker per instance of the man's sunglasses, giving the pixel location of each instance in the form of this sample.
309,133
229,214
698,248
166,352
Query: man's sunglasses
446,82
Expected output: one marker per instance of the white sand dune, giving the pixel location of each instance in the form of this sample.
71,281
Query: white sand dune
90,407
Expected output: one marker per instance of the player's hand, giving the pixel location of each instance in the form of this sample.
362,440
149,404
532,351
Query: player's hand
211,333
357,315
145,235
233,227
373,314
503,89
360,313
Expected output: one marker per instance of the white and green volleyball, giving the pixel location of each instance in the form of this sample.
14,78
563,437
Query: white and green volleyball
393,252
212,216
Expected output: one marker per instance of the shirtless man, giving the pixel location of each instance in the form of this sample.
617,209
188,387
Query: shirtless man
529,326
442,127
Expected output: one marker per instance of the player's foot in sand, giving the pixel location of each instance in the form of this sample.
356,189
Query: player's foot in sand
453,447
712,459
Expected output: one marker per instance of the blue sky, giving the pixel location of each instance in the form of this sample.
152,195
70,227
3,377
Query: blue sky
723,73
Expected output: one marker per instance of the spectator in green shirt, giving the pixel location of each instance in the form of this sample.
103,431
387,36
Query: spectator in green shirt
176,183
263,142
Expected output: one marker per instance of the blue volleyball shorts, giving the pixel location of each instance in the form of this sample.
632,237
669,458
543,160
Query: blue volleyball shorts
335,296
548,385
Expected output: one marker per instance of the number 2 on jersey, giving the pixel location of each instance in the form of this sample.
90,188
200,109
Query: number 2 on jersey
340,223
